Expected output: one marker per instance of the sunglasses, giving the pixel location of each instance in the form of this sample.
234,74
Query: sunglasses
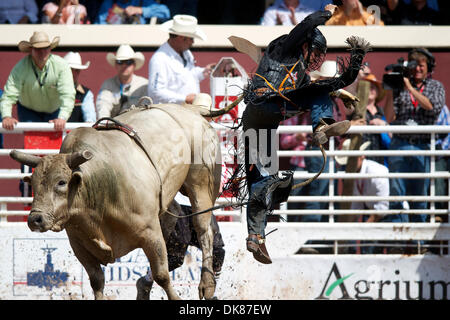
127,62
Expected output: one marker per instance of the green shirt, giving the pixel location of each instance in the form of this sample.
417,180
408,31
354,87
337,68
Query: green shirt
54,90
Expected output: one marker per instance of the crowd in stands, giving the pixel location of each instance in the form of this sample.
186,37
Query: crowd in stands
280,12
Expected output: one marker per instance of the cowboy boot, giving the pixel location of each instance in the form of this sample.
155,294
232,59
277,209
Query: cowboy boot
256,245
324,131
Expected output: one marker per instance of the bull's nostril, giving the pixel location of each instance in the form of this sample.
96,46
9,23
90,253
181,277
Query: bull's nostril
35,219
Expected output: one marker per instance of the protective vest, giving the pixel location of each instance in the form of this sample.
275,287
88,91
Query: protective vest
286,75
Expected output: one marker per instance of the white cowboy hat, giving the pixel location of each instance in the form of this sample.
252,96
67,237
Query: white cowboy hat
329,69
74,61
184,25
345,147
39,39
126,52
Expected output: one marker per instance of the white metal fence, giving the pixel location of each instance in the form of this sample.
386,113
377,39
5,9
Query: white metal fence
333,230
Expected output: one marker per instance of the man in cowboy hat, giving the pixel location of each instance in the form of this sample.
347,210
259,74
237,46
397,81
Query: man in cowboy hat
126,88
371,187
41,84
84,109
173,75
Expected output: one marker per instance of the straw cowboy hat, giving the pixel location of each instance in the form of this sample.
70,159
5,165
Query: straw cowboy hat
345,147
381,92
38,40
74,61
184,25
329,69
126,52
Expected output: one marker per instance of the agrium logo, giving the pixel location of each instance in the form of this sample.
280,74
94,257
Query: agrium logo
348,286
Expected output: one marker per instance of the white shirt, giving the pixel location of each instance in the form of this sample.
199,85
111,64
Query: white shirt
304,9
170,81
372,186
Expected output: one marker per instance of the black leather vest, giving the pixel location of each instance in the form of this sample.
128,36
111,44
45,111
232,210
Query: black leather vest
276,72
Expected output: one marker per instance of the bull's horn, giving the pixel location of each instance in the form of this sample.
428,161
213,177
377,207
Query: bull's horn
218,113
25,158
77,158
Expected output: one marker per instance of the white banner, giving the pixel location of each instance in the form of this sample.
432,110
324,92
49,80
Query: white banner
43,266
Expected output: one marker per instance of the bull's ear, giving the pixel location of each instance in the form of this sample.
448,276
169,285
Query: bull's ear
25,158
74,183
27,179
75,159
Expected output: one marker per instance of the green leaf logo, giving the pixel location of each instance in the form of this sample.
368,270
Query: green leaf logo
336,283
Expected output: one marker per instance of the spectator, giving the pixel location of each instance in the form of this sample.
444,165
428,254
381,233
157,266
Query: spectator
84,109
371,187
415,13
291,12
239,12
173,75
92,8
18,11
352,13
375,116
442,162
131,12
126,88
418,103
176,7
432,4
64,12
41,83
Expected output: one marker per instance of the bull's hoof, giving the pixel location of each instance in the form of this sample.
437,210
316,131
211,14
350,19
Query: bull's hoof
207,285
207,293
143,289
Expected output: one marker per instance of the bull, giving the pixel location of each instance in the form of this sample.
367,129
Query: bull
109,192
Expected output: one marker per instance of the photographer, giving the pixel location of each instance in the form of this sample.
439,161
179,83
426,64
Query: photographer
417,101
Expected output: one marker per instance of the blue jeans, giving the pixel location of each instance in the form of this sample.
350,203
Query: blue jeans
401,187
28,115
319,102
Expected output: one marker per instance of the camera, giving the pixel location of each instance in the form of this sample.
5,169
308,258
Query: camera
401,69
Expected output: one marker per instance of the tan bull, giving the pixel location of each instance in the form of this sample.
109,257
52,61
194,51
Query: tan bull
108,192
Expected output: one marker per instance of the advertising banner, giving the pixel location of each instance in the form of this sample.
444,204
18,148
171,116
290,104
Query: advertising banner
43,266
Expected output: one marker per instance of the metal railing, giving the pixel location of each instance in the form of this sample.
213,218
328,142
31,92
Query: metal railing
439,231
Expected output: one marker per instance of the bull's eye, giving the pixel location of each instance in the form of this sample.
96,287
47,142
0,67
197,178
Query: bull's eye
62,183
